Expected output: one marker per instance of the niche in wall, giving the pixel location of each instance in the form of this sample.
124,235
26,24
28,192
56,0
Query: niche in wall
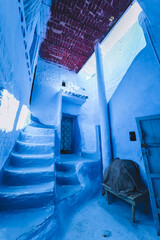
70,142
66,134
70,135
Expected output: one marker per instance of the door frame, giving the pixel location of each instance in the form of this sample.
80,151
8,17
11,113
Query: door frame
75,135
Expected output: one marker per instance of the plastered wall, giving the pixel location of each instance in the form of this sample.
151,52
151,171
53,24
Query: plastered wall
47,104
137,95
15,75
132,67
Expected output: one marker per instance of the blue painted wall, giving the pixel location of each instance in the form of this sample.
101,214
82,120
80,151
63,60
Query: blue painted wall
132,79
137,95
48,107
15,74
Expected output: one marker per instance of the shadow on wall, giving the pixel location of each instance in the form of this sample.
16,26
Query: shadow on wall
137,95
119,59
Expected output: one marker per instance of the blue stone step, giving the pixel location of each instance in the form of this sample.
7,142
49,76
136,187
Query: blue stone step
27,176
65,166
25,197
32,130
28,181
24,147
64,192
36,138
31,160
66,178
41,125
39,224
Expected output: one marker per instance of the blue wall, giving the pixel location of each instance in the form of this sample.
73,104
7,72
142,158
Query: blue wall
15,74
137,95
47,104
132,79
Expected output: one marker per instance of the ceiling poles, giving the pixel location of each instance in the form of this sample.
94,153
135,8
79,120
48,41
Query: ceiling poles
103,107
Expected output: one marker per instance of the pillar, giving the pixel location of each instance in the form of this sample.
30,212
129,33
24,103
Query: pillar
103,107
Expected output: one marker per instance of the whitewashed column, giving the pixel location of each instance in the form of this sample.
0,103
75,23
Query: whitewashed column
103,107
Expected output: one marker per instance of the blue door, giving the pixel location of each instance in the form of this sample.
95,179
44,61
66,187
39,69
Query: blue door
66,135
149,132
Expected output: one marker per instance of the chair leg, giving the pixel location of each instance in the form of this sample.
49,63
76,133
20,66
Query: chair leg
107,195
133,213
146,207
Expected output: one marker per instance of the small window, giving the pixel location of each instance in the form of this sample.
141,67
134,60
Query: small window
132,136
63,84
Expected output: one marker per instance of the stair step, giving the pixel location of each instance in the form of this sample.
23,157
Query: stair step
31,160
25,137
66,178
65,166
31,196
41,125
64,192
27,176
25,147
32,130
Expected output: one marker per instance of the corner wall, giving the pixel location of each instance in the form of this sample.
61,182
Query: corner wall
47,99
132,89
137,95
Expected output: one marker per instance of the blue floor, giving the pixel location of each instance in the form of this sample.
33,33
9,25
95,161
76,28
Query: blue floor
96,220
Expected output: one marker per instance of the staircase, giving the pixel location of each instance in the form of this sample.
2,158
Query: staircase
28,181
67,181
78,179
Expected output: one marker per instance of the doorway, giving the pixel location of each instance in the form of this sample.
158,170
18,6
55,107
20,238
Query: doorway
66,135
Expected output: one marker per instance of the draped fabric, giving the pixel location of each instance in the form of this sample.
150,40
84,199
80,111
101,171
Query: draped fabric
123,176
